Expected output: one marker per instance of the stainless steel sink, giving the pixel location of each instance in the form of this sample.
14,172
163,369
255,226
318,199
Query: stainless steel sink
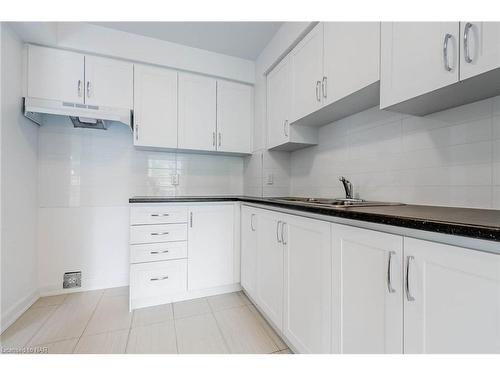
335,202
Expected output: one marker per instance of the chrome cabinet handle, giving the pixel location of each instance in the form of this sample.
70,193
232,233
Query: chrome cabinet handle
136,132
447,66
324,84
191,219
159,233
318,89
409,296
88,89
79,88
278,231
389,281
467,28
213,139
157,215
282,233
220,139
159,278
158,252
251,222
285,123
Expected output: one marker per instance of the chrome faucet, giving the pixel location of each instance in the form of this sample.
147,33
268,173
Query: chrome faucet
347,186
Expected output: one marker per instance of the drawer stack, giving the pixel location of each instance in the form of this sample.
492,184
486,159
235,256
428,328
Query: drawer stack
158,254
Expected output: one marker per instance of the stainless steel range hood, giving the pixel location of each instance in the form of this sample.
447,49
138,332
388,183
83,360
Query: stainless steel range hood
81,115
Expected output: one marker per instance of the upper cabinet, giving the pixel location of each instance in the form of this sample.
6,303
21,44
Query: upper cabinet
155,107
55,74
330,74
417,58
234,117
72,77
430,66
108,82
197,112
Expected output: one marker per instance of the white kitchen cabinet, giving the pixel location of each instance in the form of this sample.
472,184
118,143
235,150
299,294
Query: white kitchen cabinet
351,58
197,112
55,74
479,48
234,117
307,284
280,134
249,245
270,252
211,246
307,74
367,291
109,82
155,107
417,58
452,299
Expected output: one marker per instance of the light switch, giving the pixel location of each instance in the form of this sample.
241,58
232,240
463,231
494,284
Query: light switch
270,179
175,179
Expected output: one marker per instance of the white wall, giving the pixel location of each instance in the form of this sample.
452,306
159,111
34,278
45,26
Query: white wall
450,158
85,180
19,176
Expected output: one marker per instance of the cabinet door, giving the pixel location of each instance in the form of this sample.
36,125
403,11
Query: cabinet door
55,74
155,107
210,246
270,268
307,73
197,112
278,104
479,48
351,58
109,82
307,285
234,117
367,291
413,61
452,303
249,225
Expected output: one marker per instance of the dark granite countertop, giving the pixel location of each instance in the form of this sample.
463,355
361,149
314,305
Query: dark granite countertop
468,222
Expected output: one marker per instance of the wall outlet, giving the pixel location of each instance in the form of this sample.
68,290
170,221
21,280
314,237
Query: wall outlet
270,179
175,179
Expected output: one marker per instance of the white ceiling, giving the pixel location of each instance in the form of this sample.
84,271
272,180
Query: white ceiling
240,39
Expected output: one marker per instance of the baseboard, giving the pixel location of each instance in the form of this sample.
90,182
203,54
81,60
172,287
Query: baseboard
13,313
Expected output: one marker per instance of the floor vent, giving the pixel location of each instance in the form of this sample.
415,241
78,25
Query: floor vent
72,280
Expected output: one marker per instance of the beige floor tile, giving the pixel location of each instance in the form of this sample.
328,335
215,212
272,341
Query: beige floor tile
152,315
49,301
69,320
243,332
191,307
153,339
199,335
112,314
61,347
103,343
120,291
270,331
23,329
227,301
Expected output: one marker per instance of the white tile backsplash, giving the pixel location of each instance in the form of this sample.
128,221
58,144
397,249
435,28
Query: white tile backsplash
450,158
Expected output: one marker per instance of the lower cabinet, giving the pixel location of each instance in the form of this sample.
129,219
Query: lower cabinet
367,291
307,284
211,246
452,299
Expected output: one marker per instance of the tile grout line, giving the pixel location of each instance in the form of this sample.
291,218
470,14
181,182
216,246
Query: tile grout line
129,330
41,325
175,332
88,321
224,340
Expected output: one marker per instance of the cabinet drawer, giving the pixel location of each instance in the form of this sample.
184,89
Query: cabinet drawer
158,233
157,215
155,279
158,251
